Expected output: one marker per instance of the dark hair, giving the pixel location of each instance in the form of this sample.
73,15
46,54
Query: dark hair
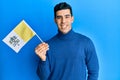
61,6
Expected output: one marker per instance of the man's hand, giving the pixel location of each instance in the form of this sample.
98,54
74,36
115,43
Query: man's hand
41,50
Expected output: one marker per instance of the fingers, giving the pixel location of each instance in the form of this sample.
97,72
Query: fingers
41,50
42,47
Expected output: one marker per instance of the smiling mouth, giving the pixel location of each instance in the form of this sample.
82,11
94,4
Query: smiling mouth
63,26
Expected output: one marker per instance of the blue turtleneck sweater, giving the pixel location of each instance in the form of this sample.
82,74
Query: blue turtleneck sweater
71,56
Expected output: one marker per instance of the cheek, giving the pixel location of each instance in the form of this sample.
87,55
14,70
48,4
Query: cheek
57,22
70,22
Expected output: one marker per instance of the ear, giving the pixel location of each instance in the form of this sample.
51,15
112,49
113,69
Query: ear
72,19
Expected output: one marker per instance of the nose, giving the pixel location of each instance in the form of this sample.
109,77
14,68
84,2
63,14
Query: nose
63,20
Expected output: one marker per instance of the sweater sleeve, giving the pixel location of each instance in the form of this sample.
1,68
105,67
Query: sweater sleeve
43,70
91,61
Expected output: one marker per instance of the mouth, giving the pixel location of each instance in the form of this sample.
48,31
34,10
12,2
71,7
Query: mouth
63,26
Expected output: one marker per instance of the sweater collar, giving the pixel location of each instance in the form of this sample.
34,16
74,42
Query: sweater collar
67,36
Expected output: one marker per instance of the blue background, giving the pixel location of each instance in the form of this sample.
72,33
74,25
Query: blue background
97,19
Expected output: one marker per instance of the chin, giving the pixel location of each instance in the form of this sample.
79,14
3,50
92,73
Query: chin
64,32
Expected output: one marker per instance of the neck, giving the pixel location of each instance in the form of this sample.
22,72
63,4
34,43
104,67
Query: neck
66,36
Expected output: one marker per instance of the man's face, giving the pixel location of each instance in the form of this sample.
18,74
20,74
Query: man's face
64,20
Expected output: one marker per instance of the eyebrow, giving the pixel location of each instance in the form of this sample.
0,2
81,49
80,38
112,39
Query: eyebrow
67,15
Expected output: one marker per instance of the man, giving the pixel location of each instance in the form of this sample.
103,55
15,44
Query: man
71,56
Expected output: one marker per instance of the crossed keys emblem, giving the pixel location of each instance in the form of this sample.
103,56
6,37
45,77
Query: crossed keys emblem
14,41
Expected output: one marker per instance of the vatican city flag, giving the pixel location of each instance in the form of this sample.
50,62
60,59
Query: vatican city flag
19,36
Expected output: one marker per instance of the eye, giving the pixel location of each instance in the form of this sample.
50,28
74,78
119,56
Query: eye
67,16
58,17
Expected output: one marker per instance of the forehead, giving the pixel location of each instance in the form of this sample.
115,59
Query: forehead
63,12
